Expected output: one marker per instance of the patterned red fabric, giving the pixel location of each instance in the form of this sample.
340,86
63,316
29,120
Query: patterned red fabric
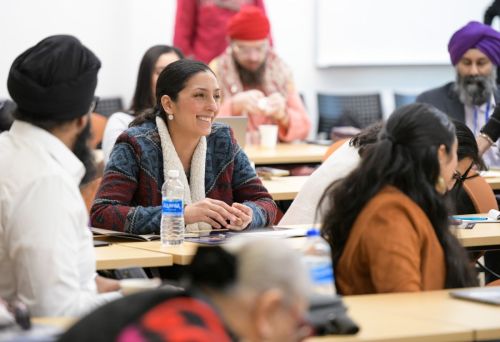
179,319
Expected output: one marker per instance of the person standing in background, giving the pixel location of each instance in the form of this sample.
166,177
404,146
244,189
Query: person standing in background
200,25
255,82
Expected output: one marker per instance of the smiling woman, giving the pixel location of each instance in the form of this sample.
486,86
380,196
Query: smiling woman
221,187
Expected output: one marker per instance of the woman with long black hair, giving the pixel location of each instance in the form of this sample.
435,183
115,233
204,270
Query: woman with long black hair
388,223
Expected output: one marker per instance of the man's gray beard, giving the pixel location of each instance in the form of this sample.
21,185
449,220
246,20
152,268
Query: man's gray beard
475,90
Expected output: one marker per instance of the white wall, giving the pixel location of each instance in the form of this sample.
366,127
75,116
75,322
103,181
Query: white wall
119,31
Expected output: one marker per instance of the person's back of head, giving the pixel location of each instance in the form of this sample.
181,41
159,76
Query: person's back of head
414,153
54,81
251,278
467,145
53,85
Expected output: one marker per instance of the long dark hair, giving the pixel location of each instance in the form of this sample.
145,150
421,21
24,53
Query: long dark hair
144,96
171,82
405,156
467,145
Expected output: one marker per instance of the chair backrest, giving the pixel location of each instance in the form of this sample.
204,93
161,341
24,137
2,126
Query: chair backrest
108,106
480,194
348,110
403,99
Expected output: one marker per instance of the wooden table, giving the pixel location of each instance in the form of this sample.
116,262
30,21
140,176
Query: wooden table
181,255
120,256
424,316
286,154
483,236
492,177
284,188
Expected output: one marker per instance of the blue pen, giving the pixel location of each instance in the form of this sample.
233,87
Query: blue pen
470,218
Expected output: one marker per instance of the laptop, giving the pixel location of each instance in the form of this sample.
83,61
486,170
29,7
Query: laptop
489,295
239,126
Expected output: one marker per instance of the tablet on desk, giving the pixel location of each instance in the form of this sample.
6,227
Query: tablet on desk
488,295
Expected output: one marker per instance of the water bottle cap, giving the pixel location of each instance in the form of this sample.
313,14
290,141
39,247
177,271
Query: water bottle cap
173,173
313,232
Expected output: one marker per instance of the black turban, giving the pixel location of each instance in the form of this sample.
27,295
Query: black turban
55,79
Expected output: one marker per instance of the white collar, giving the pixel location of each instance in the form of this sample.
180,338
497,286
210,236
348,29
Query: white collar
53,145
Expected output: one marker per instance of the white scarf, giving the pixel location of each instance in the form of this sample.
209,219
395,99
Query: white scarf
171,161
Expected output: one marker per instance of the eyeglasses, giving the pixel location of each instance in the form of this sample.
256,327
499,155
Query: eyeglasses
94,104
462,178
247,50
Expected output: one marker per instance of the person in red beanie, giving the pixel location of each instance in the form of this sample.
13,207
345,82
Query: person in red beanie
200,26
255,82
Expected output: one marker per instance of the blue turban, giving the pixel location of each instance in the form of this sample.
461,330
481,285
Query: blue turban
475,35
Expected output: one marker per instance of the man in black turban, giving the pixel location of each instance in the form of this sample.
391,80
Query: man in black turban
46,251
53,83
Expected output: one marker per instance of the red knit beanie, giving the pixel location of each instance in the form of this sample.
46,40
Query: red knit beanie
249,24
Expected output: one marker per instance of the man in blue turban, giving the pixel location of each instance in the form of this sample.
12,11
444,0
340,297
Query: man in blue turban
475,52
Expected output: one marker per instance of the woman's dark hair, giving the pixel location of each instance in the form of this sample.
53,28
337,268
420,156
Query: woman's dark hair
467,145
171,82
144,96
459,201
405,156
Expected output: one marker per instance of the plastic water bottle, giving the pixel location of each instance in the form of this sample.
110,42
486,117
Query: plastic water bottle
172,213
317,258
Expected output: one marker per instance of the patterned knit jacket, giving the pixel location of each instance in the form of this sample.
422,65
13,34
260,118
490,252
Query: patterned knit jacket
129,197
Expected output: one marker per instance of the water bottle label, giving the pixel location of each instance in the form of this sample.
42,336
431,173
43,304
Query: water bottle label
322,274
172,207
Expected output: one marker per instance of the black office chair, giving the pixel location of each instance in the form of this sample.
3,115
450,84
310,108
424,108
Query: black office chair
401,99
348,110
108,106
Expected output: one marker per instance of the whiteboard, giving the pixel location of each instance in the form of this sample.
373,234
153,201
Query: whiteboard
390,32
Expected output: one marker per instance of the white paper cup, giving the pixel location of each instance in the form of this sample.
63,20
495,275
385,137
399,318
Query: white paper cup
133,285
268,135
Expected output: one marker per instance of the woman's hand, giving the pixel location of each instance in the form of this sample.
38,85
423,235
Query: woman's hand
244,217
216,213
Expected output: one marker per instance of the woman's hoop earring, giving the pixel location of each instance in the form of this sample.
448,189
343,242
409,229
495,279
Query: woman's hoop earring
170,117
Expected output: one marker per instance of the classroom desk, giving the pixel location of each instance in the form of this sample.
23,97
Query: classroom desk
181,255
424,316
492,177
119,256
421,316
494,182
483,236
284,188
286,154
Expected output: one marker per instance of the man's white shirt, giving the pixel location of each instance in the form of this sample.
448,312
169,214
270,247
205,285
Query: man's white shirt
46,253
475,118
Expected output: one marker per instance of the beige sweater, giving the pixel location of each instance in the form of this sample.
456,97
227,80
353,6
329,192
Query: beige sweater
392,248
